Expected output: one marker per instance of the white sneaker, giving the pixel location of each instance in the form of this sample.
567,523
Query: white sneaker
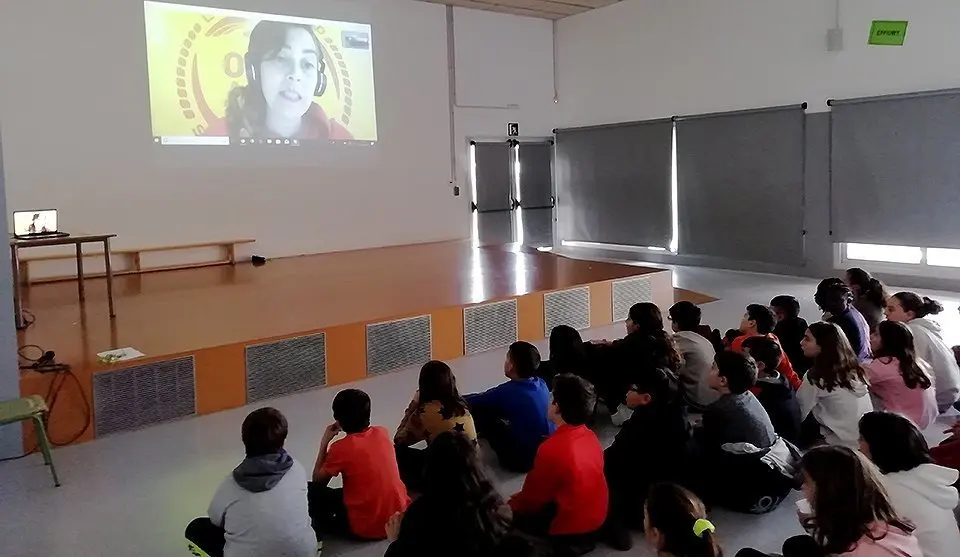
622,414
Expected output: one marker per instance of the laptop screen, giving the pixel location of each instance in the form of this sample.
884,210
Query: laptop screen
34,222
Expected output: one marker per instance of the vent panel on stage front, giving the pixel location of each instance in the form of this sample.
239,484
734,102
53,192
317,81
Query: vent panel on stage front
286,366
628,292
143,395
489,326
567,307
393,345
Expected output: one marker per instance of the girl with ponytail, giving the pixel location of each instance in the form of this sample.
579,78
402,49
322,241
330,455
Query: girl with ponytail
912,309
676,525
869,295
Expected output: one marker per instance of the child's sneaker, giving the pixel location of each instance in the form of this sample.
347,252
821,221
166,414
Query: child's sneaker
196,551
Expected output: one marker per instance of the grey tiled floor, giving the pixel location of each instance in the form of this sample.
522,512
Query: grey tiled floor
132,494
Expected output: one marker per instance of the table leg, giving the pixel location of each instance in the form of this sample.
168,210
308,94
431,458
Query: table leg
109,269
17,305
80,271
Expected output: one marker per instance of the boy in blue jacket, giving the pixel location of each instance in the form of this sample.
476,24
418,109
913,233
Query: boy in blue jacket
512,416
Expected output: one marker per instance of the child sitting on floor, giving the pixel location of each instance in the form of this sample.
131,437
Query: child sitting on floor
760,321
650,448
789,330
261,508
676,525
737,460
436,407
372,491
512,416
564,497
777,397
900,381
737,416
834,393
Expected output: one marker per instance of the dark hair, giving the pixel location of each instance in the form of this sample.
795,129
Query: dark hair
567,354
788,304
685,315
574,398
731,335
661,384
849,499
649,322
246,107
263,432
870,288
351,409
764,350
456,483
896,444
647,317
896,341
830,282
674,511
763,317
738,369
834,297
920,306
525,358
437,383
836,365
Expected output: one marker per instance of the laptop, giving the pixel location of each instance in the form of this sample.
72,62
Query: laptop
36,225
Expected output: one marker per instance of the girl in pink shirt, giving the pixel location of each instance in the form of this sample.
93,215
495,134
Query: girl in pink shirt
847,512
900,382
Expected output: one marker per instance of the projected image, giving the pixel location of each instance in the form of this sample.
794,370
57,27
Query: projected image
225,77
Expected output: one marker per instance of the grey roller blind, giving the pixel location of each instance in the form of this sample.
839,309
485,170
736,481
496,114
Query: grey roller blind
494,181
895,170
740,185
613,183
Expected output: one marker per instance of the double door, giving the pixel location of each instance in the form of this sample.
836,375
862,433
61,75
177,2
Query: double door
513,199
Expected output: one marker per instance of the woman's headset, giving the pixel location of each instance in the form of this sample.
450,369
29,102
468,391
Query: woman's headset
253,77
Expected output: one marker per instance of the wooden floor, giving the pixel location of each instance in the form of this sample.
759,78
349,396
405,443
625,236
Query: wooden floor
180,311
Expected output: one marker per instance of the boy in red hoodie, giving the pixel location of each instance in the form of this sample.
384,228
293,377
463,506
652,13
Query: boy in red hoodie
565,496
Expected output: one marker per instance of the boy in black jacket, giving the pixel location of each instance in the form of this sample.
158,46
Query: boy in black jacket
775,394
649,448
790,330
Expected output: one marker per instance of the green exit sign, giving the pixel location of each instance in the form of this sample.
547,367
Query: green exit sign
888,33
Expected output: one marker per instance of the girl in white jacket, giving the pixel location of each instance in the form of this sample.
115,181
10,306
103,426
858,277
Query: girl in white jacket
920,491
834,392
910,308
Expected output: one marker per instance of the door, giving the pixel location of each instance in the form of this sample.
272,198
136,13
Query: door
513,198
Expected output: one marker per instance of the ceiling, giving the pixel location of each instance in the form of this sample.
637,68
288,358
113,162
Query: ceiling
547,9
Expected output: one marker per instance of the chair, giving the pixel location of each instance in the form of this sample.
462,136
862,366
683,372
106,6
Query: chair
30,408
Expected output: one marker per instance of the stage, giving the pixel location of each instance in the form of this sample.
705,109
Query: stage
218,338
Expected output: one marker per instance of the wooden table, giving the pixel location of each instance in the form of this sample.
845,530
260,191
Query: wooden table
16,244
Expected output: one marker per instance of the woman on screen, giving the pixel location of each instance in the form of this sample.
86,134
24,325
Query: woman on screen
285,71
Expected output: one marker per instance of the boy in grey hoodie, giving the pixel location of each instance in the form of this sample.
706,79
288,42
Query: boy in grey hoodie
261,508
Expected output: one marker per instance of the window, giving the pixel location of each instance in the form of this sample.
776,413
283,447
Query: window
940,257
885,254
907,260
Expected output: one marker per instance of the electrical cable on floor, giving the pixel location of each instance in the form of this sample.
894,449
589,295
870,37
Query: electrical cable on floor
46,363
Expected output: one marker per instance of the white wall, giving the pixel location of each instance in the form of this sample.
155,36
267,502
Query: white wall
11,435
504,74
75,114
642,59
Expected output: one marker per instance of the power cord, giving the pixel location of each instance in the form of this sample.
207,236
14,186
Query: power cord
46,363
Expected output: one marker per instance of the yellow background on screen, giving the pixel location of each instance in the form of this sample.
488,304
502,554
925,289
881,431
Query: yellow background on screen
195,59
